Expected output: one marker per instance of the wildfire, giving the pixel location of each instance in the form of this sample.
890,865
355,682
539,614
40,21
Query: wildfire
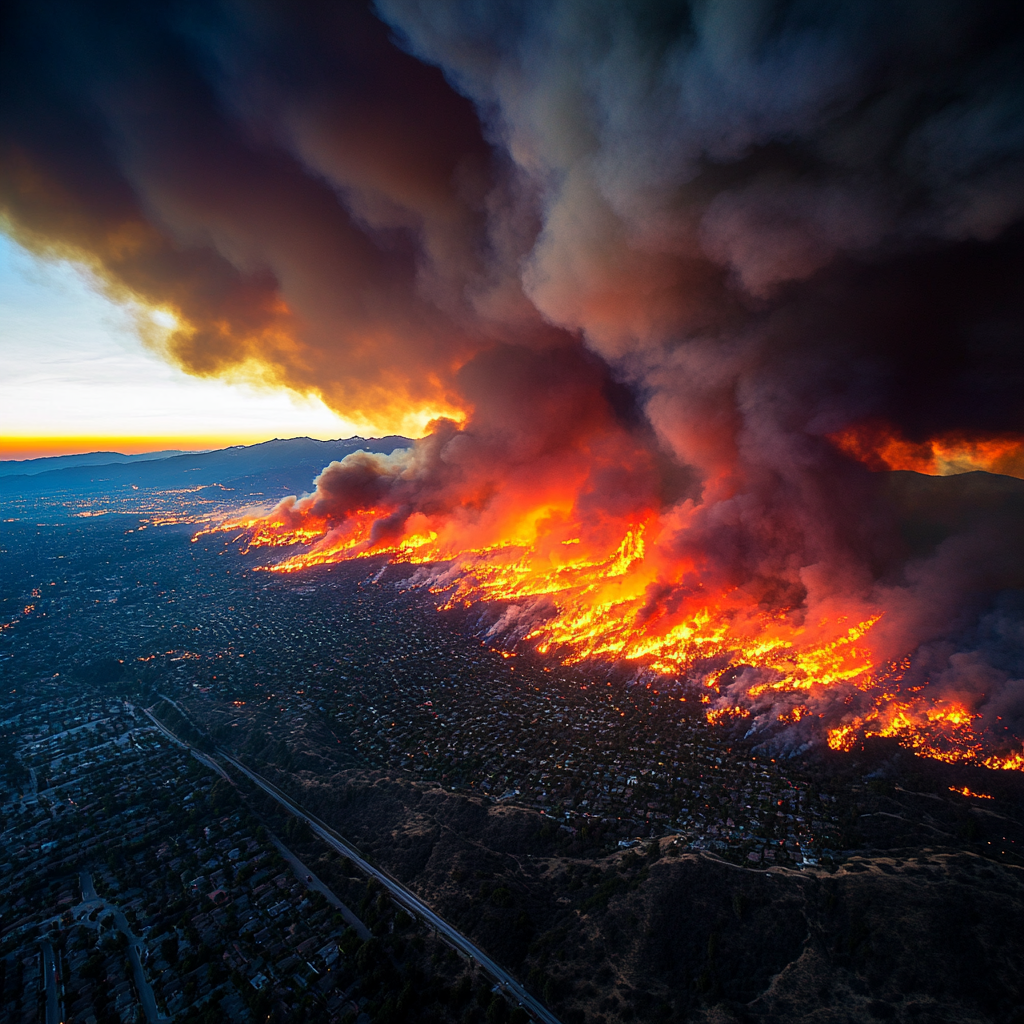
580,594
880,447
1007,762
964,791
601,599
942,731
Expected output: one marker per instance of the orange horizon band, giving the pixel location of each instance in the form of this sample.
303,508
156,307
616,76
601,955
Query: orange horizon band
21,448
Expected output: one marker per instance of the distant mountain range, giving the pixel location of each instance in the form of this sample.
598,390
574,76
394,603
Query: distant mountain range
32,467
271,468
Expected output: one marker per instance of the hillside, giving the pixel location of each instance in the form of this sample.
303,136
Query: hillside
276,466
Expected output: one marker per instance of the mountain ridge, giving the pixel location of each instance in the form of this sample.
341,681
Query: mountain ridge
48,463
289,463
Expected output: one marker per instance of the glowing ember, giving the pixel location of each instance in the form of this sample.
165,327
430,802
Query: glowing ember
964,791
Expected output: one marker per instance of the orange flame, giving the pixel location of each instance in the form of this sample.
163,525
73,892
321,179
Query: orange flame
1006,762
600,596
880,447
578,592
941,730
964,791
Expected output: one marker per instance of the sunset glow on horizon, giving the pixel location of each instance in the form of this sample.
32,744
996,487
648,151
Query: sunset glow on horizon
77,379
23,448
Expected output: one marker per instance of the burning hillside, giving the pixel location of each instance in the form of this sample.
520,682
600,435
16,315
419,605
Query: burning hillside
582,588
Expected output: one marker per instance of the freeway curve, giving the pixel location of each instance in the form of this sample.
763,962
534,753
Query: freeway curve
403,896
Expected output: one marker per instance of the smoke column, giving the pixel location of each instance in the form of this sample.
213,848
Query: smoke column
716,308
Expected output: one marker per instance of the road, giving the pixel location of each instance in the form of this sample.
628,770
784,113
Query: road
409,900
90,902
197,754
309,879
53,1014
403,896
88,889
60,735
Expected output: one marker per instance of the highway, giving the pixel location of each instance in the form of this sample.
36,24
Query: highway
197,754
52,980
403,896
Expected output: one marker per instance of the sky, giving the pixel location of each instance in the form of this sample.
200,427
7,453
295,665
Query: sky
77,378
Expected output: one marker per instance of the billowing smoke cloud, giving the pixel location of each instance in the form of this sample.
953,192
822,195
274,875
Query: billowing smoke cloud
658,255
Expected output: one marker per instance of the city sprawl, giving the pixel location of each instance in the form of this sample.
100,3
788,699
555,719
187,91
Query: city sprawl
146,877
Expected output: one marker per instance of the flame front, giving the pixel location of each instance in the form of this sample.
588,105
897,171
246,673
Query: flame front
580,592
